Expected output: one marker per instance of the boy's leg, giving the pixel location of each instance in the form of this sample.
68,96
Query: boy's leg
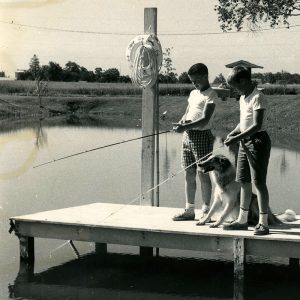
190,187
187,158
190,191
246,195
206,189
243,176
260,154
203,146
263,202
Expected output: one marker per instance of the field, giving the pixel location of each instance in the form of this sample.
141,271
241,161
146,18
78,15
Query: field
27,88
121,103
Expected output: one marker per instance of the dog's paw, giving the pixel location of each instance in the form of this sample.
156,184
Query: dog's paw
201,222
214,225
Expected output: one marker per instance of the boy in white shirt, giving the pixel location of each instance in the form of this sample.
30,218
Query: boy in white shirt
254,150
197,139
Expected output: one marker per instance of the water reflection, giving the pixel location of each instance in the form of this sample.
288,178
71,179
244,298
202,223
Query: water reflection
41,136
119,276
283,163
127,277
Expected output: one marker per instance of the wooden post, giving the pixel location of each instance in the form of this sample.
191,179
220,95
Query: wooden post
26,267
239,262
101,248
157,146
294,262
148,121
146,252
26,249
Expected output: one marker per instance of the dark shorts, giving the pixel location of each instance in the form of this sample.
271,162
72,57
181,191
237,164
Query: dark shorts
195,145
254,170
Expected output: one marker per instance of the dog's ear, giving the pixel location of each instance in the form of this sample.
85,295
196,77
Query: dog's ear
225,163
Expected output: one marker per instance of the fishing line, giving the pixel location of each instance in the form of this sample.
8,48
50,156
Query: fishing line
161,183
101,147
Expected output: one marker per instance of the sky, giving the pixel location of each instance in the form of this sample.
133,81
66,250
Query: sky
275,50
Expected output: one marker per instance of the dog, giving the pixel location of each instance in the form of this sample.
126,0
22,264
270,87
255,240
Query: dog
227,194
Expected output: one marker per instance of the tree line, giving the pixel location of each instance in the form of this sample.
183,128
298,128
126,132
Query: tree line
282,77
73,72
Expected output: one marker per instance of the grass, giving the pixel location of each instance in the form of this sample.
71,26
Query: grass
27,88
283,122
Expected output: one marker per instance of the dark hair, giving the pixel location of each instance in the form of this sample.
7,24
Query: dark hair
198,69
239,73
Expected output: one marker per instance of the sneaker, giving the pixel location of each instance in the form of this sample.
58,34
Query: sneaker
261,229
187,215
235,225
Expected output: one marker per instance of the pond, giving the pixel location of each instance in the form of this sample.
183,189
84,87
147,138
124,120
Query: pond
110,175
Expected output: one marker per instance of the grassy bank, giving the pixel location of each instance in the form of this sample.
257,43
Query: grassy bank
27,88
282,119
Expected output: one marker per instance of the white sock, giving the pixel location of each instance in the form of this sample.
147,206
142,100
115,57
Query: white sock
263,219
243,216
205,208
190,207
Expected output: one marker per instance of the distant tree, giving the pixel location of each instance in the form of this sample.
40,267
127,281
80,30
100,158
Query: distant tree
26,75
2,74
34,66
110,75
41,83
55,71
86,75
168,70
234,13
184,78
278,77
269,78
220,79
162,78
71,72
98,73
125,78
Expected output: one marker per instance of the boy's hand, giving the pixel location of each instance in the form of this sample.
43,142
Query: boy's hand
231,140
178,127
231,134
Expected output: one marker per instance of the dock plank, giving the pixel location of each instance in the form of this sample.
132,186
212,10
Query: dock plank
147,218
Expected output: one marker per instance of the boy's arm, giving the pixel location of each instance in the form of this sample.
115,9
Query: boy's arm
182,120
201,122
258,116
235,131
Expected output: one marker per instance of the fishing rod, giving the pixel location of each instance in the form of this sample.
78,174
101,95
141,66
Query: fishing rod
161,183
101,147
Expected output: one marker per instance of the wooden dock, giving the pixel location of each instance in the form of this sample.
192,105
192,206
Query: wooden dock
148,227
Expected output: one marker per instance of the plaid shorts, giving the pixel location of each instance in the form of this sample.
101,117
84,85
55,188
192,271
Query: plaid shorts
195,145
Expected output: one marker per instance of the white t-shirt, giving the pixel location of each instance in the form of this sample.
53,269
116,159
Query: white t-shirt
255,101
197,102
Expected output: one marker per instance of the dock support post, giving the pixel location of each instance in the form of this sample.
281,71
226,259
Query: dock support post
26,267
101,248
294,262
146,251
26,249
239,265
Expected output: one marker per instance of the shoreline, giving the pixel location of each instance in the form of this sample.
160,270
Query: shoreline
283,122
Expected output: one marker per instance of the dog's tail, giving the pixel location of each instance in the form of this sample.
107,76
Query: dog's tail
288,216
